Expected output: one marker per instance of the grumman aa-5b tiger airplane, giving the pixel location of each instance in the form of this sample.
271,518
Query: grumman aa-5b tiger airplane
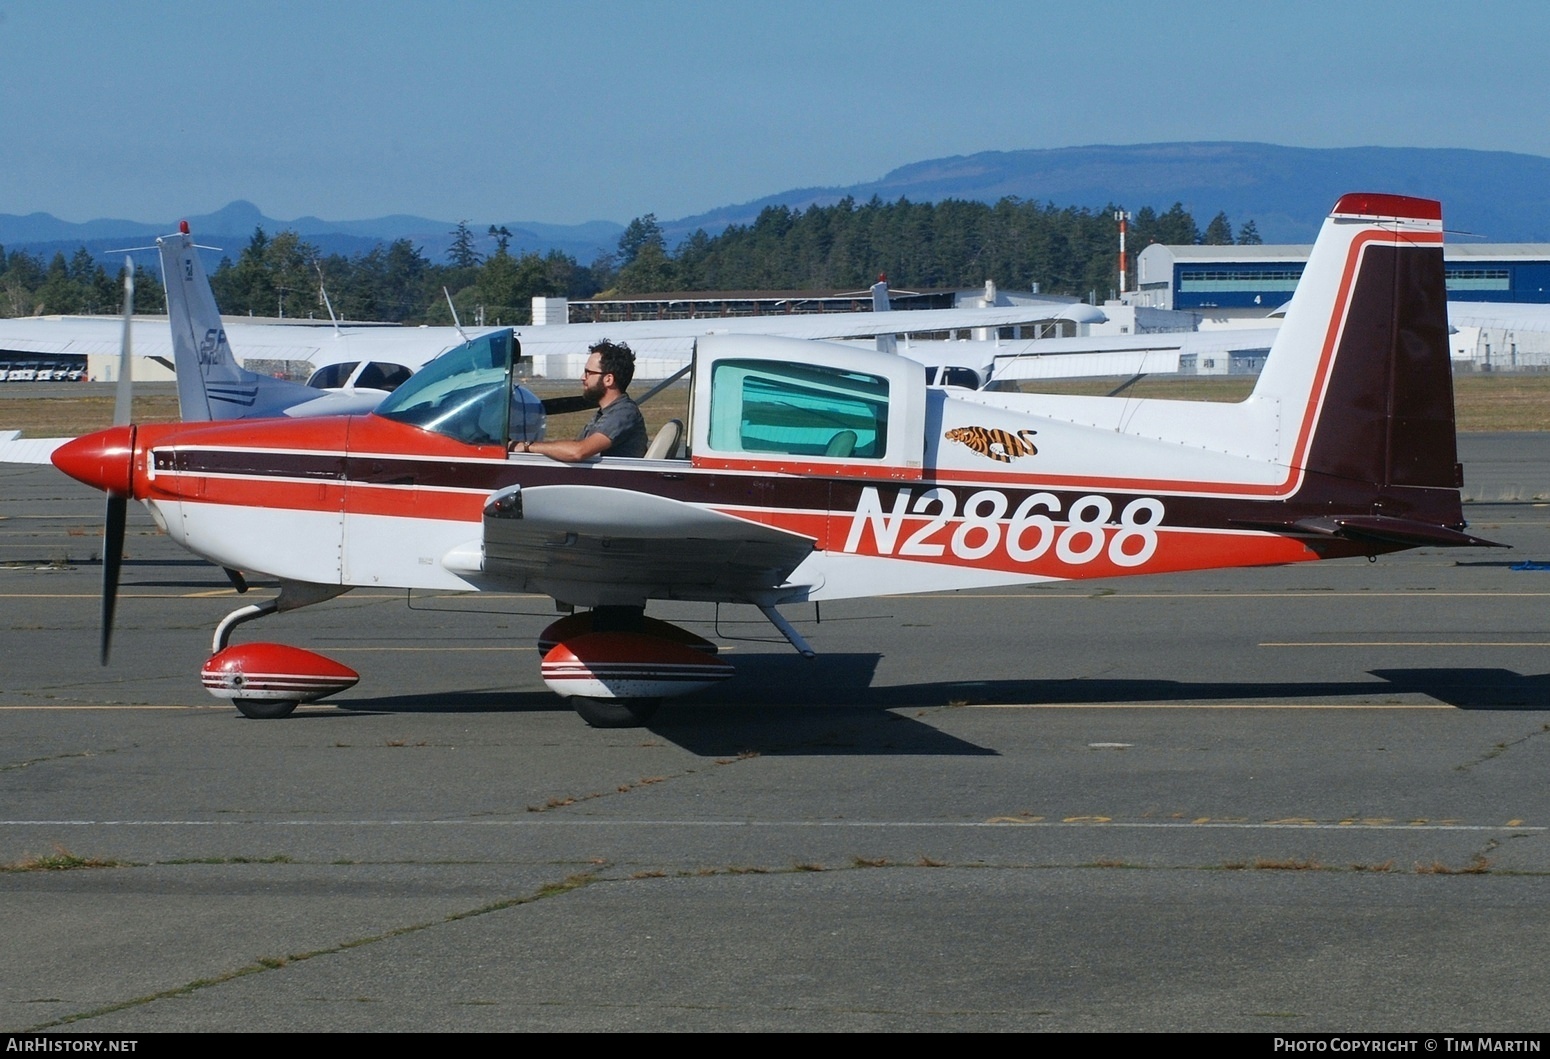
814,471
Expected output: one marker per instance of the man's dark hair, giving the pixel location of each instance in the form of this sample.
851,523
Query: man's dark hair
616,359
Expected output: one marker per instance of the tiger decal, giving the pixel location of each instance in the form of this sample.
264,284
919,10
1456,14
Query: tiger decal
986,441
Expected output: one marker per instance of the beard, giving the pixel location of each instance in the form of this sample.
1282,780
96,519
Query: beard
593,389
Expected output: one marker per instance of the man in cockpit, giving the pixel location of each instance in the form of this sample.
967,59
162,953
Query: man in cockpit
618,429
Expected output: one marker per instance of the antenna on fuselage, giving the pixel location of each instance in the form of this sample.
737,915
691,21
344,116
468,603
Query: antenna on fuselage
326,303
455,322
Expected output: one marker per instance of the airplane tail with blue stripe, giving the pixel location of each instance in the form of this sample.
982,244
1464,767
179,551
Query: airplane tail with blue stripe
211,384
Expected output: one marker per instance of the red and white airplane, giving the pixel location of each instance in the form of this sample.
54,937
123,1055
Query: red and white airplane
814,471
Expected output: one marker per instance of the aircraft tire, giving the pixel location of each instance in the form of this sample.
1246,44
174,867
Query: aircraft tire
265,709
615,713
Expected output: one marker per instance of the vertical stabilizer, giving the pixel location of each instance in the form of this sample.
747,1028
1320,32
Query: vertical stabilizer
880,304
211,384
201,356
1376,403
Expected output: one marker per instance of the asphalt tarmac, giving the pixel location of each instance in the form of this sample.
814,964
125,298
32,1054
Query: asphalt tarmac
1282,800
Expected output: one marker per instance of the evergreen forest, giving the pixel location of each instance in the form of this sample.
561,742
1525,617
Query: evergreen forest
954,243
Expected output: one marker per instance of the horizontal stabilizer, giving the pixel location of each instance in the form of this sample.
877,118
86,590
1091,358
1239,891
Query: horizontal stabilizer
1379,529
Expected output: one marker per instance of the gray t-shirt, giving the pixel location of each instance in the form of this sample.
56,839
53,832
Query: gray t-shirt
622,423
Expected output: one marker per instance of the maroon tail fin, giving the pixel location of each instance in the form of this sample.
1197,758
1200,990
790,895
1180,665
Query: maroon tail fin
1387,414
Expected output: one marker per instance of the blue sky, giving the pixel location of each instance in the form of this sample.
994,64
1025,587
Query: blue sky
600,109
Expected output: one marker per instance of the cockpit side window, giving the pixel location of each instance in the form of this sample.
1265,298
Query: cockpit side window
332,376
797,410
378,375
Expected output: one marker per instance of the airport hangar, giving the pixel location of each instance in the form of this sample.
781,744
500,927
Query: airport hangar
1242,286
1254,280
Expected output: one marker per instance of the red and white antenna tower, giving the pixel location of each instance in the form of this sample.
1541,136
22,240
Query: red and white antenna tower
1122,217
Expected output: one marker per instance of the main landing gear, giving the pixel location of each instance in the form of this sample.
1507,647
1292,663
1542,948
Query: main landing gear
616,665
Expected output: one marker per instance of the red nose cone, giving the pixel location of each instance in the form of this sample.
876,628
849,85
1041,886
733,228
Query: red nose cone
104,460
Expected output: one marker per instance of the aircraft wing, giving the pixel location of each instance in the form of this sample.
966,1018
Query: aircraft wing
71,334
1053,358
1508,316
316,345
16,449
676,337
592,545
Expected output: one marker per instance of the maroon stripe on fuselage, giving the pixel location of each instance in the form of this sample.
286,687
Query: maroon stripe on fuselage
752,495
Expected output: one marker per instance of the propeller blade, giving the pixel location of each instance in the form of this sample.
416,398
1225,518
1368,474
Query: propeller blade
118,506
123,398
112,558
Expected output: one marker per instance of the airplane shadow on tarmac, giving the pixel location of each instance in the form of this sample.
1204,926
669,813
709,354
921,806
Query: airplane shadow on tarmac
827,705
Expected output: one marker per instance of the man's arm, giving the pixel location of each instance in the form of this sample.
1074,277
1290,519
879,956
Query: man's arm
569,451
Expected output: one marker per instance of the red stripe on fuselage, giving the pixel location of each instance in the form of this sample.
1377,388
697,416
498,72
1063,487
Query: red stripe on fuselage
1178,549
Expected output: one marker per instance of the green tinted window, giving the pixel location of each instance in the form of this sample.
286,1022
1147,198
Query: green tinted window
797,410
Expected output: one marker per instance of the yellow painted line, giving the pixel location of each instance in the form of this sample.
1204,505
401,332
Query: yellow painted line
210,593
1410,643
437,650
593,823
1315,594
106,706
1210,705
1069,592
97,595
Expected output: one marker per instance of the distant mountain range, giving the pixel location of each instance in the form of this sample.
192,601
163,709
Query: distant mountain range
231,227
1497,196
1286,191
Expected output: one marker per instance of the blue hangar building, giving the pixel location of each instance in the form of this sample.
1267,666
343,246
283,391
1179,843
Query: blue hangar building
1255,280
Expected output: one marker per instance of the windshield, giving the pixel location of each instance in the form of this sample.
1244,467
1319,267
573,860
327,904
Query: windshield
464,393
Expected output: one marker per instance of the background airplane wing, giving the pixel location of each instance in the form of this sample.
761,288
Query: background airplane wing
1512,317
16,449
1053,358
586,544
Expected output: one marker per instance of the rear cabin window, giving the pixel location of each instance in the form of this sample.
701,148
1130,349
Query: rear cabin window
797,410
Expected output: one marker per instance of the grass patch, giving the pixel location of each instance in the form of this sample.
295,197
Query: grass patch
1502,402
1478,865
1288,864
39,416
1215,388
60,860
557,802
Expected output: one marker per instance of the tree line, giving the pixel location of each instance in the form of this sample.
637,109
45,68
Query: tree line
953,243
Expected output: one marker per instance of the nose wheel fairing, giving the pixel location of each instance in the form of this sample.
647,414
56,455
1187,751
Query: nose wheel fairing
271,672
